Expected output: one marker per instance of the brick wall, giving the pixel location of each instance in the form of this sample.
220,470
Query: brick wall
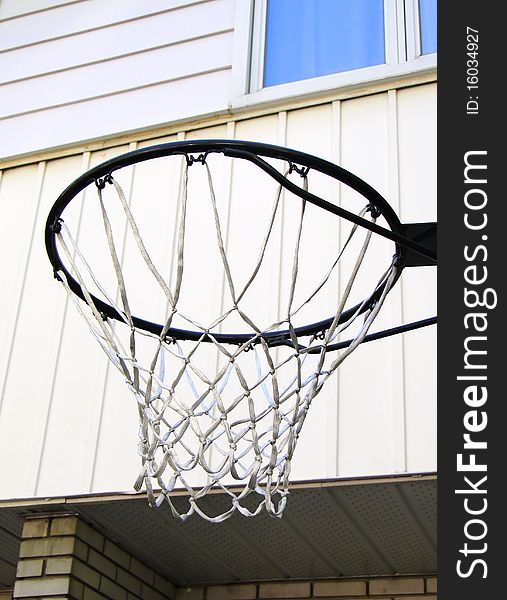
61,557
382,588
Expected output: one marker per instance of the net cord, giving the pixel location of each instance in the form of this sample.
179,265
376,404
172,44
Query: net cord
165,415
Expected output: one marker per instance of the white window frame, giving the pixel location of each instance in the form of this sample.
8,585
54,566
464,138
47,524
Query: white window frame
403,57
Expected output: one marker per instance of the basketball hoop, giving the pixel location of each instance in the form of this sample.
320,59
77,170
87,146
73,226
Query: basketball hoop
227,404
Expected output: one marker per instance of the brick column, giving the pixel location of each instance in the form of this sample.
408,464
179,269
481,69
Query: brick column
61,557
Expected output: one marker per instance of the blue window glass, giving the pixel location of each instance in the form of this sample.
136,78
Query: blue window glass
428,20
310,38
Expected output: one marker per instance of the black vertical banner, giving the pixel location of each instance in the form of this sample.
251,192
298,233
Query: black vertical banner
472,319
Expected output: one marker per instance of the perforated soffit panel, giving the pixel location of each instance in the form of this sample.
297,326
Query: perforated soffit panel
375,526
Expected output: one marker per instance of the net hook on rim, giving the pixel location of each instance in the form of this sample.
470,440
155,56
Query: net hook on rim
200,158
303,171
100,182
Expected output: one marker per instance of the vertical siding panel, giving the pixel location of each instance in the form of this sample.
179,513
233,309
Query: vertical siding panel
251,199
210,288
418,155
395,296
281,140
113,456
76,367
226,186
27,183
316,454
366,382
205,291
19,202
35,348
67,456
59,440
334,421
417,134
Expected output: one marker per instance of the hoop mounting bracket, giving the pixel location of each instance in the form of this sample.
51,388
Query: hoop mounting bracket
424,234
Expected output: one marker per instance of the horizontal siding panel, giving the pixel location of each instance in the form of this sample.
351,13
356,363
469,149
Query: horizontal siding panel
15,8
101,45
72,18
118,75
128,111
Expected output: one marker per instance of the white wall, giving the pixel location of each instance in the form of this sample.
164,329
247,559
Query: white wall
85,70
89,69
67,421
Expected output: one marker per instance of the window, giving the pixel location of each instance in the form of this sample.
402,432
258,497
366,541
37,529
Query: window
309,39
428,25
305,46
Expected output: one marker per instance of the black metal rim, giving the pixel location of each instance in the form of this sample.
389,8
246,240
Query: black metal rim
254,152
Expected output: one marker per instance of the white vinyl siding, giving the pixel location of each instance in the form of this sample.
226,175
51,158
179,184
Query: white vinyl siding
91,69
67,421
17,8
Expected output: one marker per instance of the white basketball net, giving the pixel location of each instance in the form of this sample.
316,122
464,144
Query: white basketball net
189,421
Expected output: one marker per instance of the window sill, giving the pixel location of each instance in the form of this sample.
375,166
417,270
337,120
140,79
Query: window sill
342,85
